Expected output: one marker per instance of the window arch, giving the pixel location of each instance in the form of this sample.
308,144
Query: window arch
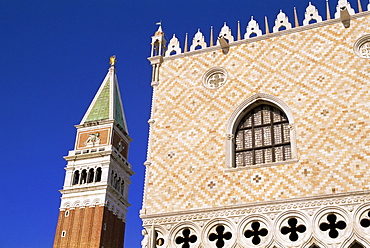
260,132
76,177
90,177
98,175
83,176
262,136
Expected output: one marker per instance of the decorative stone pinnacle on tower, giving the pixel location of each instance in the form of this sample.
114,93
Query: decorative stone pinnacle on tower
158,42
94,198
157,54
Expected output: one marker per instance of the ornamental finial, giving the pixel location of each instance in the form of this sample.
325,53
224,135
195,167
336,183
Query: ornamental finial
112,60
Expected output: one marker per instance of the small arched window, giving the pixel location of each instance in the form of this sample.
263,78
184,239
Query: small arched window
98,175
262,136
83,176
76,177
118,184
122,189
90,177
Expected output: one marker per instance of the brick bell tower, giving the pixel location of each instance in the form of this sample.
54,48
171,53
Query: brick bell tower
94,196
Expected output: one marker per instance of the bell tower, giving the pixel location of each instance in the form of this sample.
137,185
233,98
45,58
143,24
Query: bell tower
94,196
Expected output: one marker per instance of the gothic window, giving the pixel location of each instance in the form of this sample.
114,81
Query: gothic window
90,177
262,136
76,177
83,176
98,175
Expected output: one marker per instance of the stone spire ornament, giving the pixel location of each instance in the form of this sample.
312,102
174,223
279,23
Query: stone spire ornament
359,6
296,22
311,14
239,36
342,4
198,41
281,21
267,25
226,33
186,43
173,46
328,15
252,28
211,37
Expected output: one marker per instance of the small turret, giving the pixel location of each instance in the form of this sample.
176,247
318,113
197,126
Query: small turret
158,42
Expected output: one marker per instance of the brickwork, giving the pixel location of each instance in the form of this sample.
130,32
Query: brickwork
314,72
89,227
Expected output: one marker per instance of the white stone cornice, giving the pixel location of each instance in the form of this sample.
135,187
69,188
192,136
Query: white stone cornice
271,206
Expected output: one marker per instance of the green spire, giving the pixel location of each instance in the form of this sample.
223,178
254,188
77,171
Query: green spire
100,110
107,103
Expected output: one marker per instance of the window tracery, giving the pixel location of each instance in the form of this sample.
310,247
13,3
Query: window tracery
262,136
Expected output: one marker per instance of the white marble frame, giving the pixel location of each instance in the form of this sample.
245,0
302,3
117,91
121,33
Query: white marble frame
238,114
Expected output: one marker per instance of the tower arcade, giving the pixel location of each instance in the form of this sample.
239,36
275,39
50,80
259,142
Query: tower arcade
262,141
94,196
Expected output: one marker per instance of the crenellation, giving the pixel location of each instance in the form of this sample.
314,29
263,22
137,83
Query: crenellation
311,16
282,21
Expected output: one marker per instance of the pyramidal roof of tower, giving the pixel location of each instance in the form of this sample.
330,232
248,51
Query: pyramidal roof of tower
107,103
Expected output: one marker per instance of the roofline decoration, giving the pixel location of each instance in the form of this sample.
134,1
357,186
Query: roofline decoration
344,12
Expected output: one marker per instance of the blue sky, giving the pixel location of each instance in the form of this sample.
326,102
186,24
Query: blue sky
54,55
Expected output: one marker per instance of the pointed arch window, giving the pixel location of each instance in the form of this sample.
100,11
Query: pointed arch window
262,136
